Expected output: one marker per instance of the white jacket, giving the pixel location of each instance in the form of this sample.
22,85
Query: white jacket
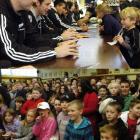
124,117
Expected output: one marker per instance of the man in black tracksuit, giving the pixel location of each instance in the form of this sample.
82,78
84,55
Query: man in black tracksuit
55,13
13,35
35,33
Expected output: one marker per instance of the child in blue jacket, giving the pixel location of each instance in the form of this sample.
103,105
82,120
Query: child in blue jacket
78,128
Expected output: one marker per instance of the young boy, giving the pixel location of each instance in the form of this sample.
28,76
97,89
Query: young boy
32,103
108,132
129,41
63,118
112,113
131,119
18,105
125,93
78,128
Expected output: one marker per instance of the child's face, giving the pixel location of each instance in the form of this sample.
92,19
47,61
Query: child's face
127,22
125,89
57,105
102,92
100,14
43,113
36,94
30,117
18,105
107,136
135,110
8,118
29,97
64,106
62,89
114,89
74,112
111,113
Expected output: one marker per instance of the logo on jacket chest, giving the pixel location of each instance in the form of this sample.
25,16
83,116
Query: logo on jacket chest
21,27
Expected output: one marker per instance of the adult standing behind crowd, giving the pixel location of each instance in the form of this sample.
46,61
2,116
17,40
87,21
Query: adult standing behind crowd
6,96
91,102
12,36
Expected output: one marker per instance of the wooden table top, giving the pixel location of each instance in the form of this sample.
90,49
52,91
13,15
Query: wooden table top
94,52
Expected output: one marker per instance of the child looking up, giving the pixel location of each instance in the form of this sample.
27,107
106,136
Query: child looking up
129,41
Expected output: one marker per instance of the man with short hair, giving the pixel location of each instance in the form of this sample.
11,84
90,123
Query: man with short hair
55,13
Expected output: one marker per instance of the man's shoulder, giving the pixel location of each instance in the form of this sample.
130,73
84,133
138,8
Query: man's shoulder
51,12
3,6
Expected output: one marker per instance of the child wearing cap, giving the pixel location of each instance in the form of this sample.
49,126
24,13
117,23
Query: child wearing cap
46,125
78,128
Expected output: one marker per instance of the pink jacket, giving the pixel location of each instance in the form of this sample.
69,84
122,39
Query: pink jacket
45,129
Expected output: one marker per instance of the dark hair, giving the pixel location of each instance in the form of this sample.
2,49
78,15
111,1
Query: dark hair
103,86
125,81
34,4
69,4
59,2
86,87
10,111
134,102
19,99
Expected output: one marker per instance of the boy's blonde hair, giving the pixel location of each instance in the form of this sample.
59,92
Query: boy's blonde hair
34,111
77,103
104,8
138,14
108,128
130,12
114,83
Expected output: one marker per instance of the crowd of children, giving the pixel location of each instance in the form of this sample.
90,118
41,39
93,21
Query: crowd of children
70,109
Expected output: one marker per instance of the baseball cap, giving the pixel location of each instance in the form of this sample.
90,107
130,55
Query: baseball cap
43,105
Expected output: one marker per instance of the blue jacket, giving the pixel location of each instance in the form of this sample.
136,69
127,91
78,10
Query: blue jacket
82,132
111,25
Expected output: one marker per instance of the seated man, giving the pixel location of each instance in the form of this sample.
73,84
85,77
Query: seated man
13,35
38,30
55,14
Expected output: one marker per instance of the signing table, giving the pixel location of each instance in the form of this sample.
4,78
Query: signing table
94,52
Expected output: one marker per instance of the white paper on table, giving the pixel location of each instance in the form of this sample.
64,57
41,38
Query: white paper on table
112,43
88,47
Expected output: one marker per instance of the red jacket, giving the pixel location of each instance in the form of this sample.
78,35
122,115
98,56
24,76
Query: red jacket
91,107
30,104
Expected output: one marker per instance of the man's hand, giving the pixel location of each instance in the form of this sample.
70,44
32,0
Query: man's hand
67,35
84,27
63,51
69,42
101,28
